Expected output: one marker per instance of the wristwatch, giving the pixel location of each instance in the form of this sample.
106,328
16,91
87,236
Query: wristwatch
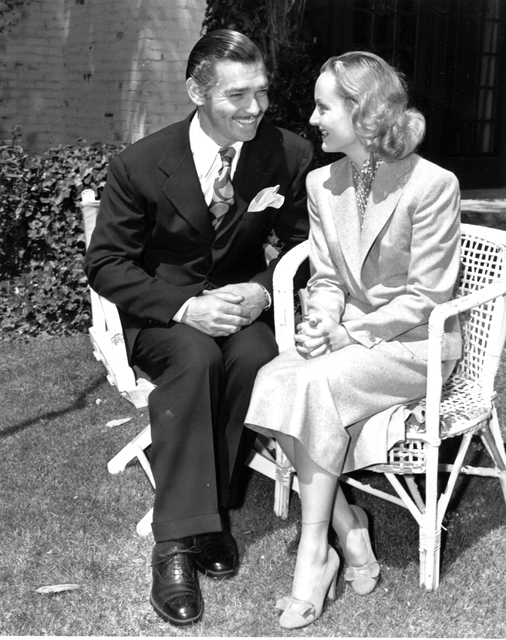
268,298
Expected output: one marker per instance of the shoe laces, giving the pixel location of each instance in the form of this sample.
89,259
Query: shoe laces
175,566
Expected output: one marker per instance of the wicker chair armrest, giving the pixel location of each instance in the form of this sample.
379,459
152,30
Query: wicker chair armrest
288,265
436,331
451,308
282,282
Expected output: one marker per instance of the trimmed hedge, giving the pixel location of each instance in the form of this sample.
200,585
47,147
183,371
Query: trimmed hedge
42,283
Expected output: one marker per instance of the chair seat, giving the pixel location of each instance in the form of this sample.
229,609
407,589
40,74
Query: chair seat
463,408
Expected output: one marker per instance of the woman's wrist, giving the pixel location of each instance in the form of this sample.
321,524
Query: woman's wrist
340,338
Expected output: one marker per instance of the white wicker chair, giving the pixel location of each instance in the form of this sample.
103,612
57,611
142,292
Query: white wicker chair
108,343
463,407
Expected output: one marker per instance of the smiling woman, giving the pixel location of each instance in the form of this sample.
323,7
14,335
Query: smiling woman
384,251
333,118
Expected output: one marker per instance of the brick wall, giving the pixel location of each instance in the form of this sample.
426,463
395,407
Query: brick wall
99,70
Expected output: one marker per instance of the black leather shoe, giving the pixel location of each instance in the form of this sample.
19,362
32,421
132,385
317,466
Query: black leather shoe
218,555
175,595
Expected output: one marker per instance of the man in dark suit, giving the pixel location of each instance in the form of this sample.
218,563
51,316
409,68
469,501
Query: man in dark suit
178,247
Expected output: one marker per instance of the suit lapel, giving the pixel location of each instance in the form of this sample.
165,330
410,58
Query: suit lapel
385,193
345,215
182,187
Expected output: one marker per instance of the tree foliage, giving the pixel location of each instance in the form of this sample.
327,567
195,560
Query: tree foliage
10,13
43,289
277,28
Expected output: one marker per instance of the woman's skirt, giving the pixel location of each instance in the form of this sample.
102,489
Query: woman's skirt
347,408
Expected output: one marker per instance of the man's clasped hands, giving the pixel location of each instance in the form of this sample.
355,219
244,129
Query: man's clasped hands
224,311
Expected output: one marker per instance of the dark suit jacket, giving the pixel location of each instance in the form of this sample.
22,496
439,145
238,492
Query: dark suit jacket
154,246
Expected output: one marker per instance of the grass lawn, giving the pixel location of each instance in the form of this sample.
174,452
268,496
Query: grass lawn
64,519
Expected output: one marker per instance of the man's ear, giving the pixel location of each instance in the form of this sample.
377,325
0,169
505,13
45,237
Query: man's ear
195,92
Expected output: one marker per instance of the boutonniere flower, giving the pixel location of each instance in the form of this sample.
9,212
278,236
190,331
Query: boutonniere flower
268,197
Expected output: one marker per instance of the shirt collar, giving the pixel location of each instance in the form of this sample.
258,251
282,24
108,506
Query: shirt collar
205,150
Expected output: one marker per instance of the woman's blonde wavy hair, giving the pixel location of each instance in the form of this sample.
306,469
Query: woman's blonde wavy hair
375,93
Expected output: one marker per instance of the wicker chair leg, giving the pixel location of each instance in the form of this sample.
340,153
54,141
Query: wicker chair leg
281,499
423,557
430,556
502,480
431,542
492,438
282,483
414,491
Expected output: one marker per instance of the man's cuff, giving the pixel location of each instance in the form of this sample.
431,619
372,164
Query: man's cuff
268,298
178,316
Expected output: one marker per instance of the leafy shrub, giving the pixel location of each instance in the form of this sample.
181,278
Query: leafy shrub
42,283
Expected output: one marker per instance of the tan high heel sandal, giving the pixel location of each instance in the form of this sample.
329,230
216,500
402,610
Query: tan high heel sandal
363,579
301,613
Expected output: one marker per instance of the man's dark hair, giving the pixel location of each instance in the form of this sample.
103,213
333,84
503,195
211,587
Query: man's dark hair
219,46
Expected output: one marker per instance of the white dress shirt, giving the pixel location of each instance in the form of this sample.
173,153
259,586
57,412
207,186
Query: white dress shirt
207,158
207,161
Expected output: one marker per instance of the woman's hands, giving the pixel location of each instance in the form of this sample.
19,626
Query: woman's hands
310,340
320,334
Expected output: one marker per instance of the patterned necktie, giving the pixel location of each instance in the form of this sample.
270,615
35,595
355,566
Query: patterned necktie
223,191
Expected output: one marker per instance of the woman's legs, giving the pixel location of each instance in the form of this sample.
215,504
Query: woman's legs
323,503
349,530
317,492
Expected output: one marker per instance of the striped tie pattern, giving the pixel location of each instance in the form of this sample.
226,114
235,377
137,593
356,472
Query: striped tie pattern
223,191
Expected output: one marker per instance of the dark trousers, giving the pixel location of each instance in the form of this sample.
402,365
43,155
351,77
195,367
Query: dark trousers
197,413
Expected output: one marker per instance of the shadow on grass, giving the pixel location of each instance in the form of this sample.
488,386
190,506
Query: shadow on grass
71,522
476,509
77,405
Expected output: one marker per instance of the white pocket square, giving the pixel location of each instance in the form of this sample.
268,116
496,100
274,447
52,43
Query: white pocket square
268,197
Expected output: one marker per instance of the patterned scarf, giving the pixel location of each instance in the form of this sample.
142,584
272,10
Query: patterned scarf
363,182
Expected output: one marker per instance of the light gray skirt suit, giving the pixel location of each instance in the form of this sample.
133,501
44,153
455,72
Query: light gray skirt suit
382,281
